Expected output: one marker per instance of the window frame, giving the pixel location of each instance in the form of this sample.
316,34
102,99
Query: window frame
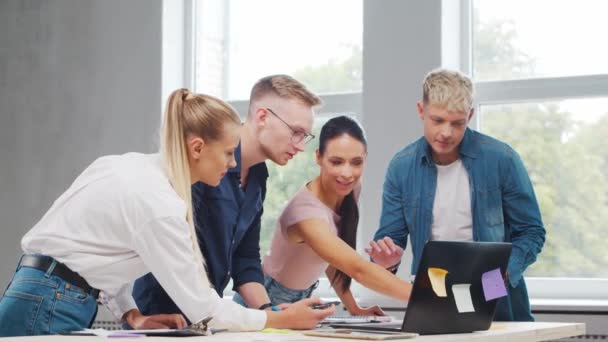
564,292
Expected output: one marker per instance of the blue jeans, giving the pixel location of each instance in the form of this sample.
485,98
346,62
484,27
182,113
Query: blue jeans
39,303
280,294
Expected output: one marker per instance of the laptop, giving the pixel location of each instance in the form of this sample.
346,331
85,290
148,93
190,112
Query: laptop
427,313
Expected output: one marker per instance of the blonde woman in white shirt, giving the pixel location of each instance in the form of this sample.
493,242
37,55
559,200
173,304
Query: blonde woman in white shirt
128,215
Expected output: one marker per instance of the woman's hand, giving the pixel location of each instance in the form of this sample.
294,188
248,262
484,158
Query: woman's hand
299,315
370,311
385,252
138,321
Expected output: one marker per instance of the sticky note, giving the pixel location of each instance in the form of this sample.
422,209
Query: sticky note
437,276
276,331
462,295
493,284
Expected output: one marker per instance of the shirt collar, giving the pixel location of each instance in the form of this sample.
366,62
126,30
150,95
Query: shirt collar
257,170
468,147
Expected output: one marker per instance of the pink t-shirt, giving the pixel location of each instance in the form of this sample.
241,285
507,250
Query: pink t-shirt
296,265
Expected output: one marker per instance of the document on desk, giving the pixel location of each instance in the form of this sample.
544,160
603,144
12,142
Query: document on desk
359,334
138,333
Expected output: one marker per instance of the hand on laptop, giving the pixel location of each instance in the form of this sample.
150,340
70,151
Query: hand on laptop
163,321
370,311
385,252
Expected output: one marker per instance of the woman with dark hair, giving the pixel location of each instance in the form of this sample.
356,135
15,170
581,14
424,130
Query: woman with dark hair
317,230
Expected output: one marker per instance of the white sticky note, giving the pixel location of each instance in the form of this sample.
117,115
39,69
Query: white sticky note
437,277
462,295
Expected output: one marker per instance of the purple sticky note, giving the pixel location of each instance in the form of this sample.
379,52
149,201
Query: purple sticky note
493,285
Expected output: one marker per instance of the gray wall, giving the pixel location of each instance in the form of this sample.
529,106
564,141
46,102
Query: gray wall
78,79
390,94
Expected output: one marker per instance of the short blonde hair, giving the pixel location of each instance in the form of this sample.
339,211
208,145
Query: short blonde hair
283,86
448,89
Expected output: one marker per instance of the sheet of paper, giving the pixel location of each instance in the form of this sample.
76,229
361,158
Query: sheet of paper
493,284
462,295
437,276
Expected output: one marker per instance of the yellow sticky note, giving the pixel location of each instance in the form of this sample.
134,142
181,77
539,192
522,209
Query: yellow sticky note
437,276
277,331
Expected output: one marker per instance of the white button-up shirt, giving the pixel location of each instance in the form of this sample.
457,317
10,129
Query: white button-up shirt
121,219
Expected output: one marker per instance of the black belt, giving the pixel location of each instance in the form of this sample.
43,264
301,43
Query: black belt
62,271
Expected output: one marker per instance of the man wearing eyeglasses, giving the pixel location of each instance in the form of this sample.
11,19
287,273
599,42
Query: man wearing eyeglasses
228,217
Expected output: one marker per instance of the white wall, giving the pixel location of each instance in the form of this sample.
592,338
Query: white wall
78,79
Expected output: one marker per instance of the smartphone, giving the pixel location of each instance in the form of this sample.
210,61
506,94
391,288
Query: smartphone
325,305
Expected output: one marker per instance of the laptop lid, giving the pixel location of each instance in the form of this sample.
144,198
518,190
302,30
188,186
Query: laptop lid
465,262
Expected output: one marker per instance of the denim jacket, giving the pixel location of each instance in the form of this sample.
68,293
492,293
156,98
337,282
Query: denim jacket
503,207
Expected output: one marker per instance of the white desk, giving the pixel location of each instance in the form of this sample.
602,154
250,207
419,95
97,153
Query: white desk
499,332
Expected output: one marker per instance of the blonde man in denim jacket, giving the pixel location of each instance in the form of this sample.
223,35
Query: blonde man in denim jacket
458,184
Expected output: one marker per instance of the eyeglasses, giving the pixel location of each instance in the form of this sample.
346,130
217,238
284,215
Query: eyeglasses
297,136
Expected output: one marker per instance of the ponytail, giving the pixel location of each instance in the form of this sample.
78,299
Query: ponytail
190,114
175,158
349,212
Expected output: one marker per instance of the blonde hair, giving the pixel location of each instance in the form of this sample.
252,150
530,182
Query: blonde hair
448,89
283,86
190,114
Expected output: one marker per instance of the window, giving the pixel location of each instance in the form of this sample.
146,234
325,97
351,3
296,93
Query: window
240,41
560,142
543,38
542,87
237,42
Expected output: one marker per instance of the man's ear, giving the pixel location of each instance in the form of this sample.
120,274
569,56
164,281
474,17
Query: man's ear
261,114
420,108
471,113
196,147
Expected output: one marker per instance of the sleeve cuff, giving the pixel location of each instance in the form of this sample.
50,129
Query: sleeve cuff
515,269
118,305
248,276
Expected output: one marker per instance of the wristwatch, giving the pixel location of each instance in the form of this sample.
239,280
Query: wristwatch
393,269
265,306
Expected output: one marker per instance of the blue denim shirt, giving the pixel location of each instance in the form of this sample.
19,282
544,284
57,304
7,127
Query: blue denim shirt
503,206
227,221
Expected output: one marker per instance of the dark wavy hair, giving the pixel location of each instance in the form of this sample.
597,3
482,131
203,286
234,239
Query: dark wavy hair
349,210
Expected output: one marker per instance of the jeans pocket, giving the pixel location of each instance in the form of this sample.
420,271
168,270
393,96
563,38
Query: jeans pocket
74,294
71,312
19,313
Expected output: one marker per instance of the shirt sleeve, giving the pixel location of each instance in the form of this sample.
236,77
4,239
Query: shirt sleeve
392,220
246,263
165,247
302,207
119,302
523,218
